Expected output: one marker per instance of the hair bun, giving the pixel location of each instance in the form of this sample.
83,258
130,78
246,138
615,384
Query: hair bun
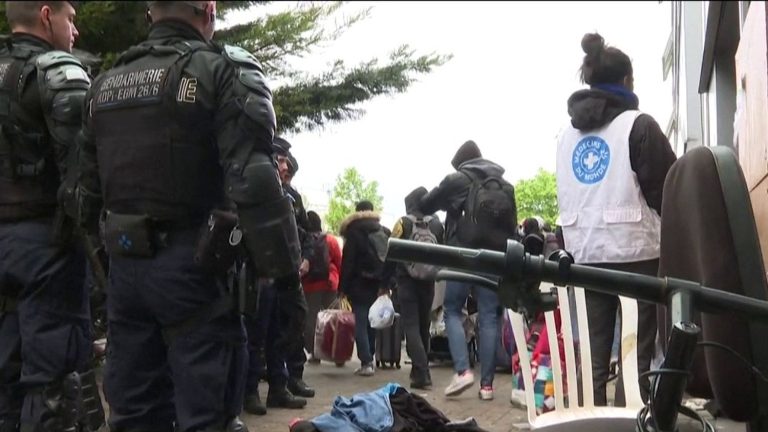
592,44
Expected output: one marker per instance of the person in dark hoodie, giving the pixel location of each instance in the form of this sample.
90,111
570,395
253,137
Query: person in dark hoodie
358,282
451,196
612,160
415,295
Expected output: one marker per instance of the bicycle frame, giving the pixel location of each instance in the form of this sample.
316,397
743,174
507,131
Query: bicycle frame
520,273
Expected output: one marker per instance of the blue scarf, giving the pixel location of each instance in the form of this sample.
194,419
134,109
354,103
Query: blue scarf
621,91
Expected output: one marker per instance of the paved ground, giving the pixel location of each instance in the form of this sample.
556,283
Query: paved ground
329,381
498,415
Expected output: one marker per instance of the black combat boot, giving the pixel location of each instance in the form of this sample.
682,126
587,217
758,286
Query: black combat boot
236,425
282,398
253,404
298,387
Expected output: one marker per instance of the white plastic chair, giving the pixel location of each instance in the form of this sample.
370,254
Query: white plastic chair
568,415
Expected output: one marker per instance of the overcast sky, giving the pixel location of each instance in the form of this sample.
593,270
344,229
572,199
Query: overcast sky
514,65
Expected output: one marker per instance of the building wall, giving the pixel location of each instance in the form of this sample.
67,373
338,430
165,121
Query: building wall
751,123
734,109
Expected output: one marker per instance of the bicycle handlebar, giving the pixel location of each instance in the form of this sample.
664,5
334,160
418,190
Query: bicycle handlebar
467,278
516,267
518,289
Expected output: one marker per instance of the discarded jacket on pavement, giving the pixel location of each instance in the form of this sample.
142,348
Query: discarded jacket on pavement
389,409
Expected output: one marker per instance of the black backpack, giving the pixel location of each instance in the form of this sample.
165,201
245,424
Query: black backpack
374,254
319,259
490,214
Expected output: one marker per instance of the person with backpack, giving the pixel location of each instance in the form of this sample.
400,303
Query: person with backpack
416,286
480,213
321,281
363,275
612,161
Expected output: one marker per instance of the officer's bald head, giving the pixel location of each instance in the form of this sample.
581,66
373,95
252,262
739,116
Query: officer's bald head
199,14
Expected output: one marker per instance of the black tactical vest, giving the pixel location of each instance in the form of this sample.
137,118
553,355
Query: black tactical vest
155,140
28,176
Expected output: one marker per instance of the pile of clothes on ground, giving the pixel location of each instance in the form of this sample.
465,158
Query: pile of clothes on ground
389,409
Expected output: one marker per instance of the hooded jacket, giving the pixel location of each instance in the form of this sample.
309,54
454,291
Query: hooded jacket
650,153
451,194
355,229
404,226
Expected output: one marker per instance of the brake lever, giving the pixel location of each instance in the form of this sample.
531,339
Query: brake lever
524,297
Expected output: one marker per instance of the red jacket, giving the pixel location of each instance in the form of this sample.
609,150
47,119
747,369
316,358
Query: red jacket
334,266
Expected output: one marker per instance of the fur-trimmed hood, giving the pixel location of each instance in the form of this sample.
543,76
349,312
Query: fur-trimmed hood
369,217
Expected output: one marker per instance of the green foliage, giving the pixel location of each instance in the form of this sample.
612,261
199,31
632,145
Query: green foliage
334,95
537,196
302,101
350,189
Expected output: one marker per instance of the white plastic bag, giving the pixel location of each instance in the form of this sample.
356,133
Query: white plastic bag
382,313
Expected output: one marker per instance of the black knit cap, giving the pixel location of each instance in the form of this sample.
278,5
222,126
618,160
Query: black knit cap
468,151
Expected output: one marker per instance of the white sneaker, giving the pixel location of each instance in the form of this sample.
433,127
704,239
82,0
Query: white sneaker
365,371
486,393
459,383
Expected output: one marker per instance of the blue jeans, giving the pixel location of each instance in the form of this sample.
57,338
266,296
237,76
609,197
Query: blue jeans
456,294
365,336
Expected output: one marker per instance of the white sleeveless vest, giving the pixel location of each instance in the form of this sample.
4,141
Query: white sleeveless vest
604,215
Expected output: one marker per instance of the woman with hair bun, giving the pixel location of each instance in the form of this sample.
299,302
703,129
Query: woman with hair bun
612,160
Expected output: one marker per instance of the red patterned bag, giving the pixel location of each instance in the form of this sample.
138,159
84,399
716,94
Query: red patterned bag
335,333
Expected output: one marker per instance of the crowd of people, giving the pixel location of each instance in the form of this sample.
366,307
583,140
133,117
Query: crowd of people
216,272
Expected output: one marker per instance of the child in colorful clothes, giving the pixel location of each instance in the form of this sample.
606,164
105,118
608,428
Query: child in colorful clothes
537,341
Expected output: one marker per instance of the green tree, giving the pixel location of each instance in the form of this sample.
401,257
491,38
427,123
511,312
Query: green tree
537,196
350,189
302,101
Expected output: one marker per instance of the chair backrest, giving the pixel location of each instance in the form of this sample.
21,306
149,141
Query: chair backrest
709,235
569,378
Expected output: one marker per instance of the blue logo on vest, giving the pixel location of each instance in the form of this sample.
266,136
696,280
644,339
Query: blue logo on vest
125,242
591,159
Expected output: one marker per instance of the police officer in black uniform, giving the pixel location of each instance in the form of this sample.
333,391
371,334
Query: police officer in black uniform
179,129
295,359
46,384
284,368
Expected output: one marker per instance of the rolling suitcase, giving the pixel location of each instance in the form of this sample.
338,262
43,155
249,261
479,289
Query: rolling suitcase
389,345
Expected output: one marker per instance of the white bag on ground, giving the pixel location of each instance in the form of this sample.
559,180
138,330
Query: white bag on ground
382,313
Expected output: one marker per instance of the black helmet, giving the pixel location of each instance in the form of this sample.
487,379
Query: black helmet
281,146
